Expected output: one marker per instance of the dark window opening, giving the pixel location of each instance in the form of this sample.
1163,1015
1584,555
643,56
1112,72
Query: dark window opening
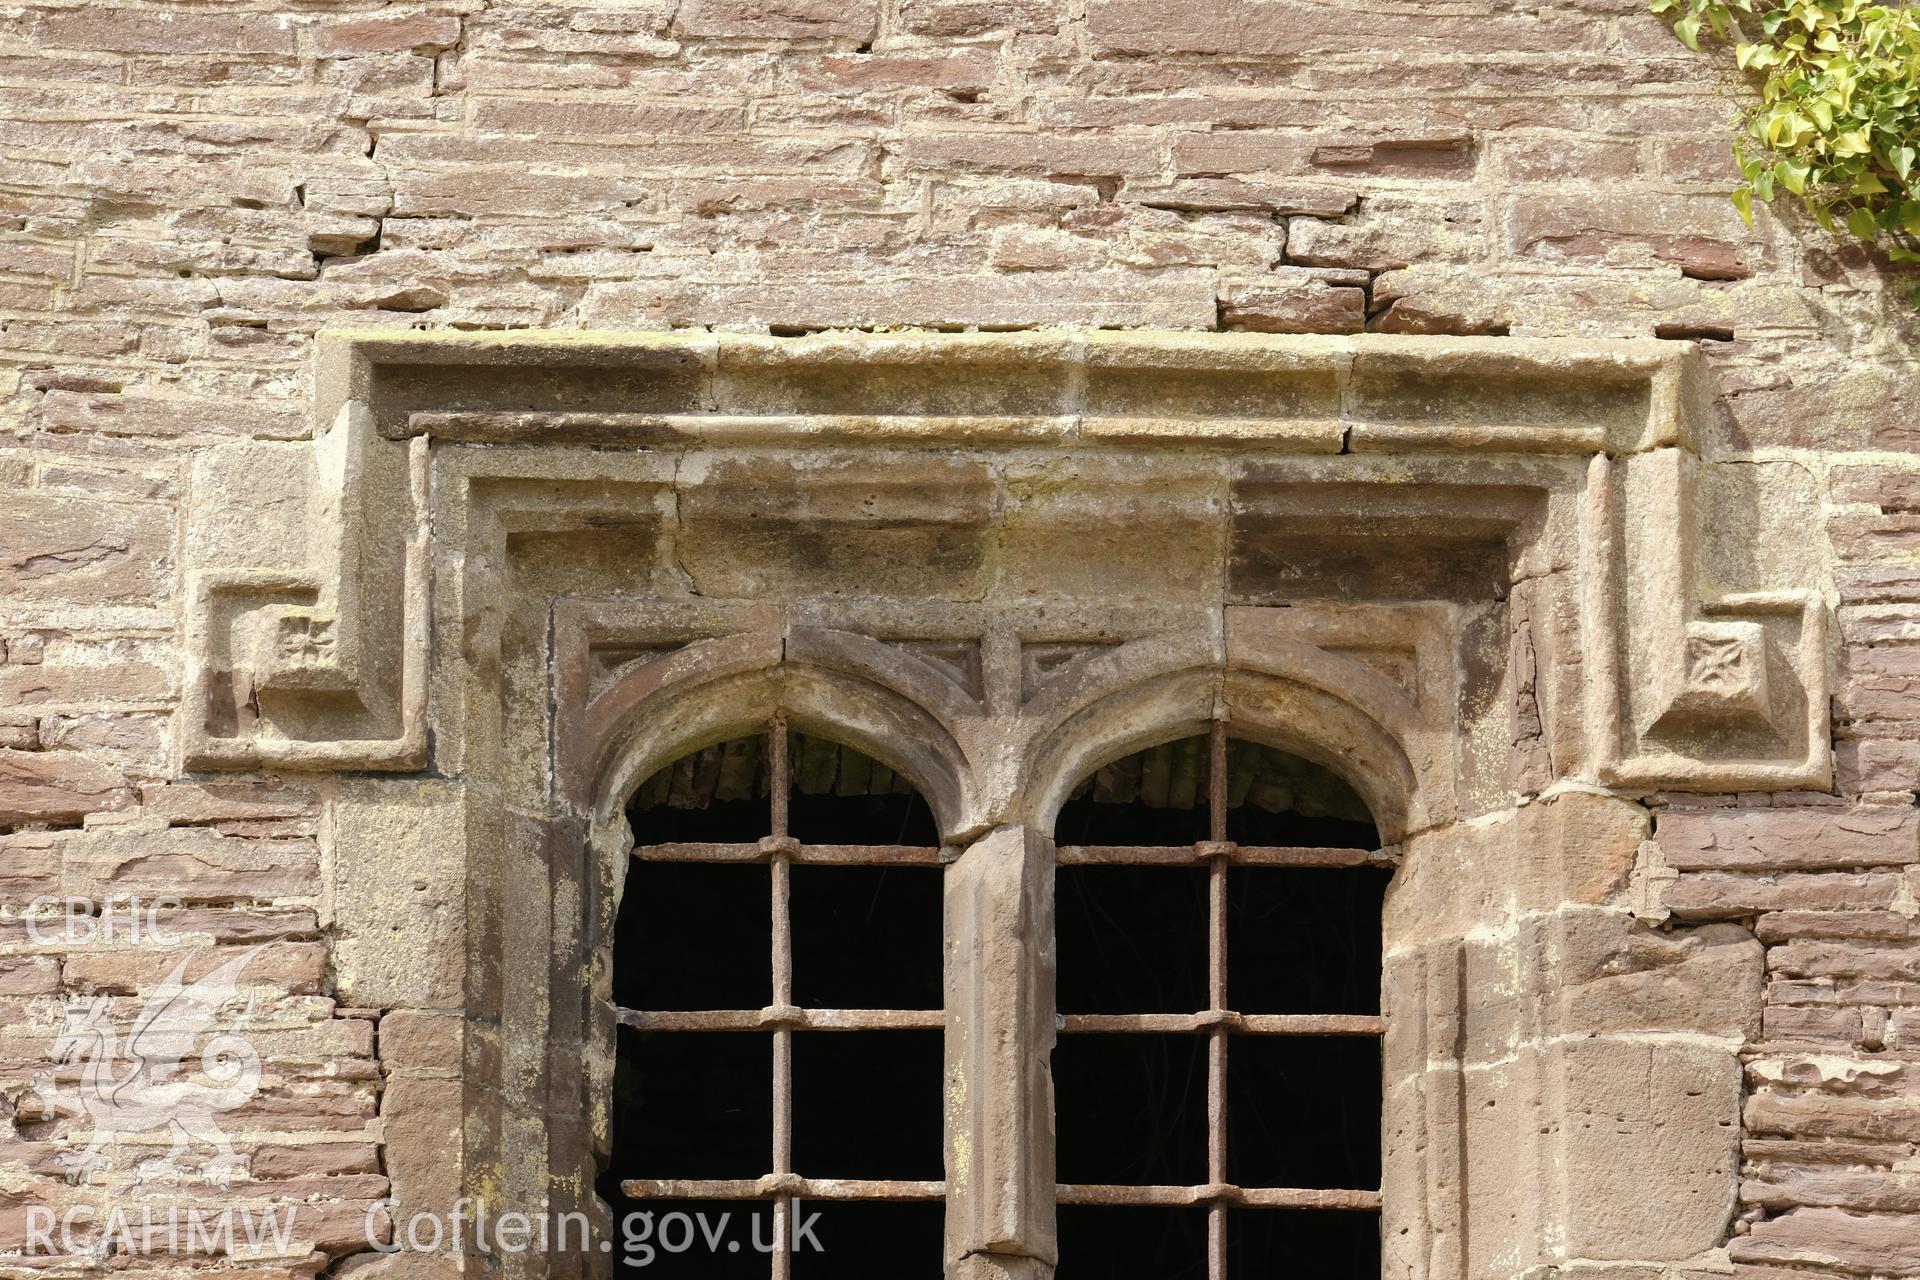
733,955
1218,906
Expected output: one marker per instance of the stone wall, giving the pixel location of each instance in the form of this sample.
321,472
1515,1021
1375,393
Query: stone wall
191,191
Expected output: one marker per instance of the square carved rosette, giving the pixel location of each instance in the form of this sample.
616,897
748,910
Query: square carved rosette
1490,582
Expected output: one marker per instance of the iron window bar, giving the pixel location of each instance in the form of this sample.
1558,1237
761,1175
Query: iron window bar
1218,1022
781,852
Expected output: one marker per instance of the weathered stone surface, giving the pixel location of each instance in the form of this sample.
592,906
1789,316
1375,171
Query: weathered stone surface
1622,977
1297,29
1862,1243
1629,1134
61,549
1786,838
748,530
400,897
1000,1012
297,967
197,864
406,1264
794,19
417,1040
1702,894
57,786
421,1124
386,34
1182,297
184,803
1298,302
1572,848
1701,235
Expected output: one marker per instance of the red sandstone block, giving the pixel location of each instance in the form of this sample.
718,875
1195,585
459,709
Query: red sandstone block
1879,684
139,413
1175,299
414,1040
18,729
1883,487
1885,961
297,967
235,924
135,742
682,157
542,116
789,20
1776,838
386,34
1214,195
1390,232
84,686
314,1159
1876,1244
1878,623
977,17
1241,151
185,803
1440,157
1857,537
1049,154
1830,1026
29,867
29,975
1701,234
192,863
1877,764
1560,157
72,338
1300,301
1822,1115
1702,894
1306,28
57,786
166,30
422,1119
1702,159
507,190
1438,312
1785,926
969,69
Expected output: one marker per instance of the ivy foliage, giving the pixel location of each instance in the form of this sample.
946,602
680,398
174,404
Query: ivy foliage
1838,121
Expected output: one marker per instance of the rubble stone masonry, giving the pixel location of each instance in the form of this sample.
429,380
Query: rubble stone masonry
190,191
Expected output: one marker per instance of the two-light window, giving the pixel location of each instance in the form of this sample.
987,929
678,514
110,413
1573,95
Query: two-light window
781,1079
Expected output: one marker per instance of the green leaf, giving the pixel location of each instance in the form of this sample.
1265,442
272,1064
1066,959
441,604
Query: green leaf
1743,201
1836,119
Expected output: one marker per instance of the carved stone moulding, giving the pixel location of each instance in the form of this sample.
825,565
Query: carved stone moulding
1005,512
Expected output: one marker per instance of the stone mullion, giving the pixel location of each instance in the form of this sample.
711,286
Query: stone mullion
999,1042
